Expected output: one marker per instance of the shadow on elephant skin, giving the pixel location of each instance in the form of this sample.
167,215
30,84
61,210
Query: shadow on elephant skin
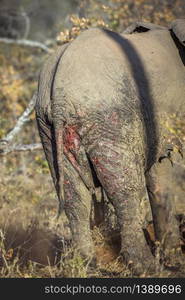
145,97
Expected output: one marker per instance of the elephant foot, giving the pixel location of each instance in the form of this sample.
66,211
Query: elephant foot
139,269
173,259
140,263
85,249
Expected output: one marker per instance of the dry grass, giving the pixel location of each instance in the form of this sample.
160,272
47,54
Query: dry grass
33,243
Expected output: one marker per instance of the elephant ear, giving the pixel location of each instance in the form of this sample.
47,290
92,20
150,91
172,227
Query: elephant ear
178,28
141,27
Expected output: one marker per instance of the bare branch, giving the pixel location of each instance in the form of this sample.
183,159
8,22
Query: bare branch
6,145
19,148
27,43
22,120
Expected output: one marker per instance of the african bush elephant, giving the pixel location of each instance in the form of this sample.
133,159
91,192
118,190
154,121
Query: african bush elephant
102,101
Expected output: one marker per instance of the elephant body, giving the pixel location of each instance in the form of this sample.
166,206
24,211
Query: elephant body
102,102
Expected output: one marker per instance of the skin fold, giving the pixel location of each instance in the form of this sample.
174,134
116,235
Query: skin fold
102,100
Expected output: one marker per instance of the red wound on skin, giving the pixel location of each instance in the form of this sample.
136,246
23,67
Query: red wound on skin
95,160
66,182
108,178
71,138
71,144
114,117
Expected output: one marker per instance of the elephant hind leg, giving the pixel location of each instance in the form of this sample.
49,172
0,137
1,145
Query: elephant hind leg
165,223
124,183
77,206
77,196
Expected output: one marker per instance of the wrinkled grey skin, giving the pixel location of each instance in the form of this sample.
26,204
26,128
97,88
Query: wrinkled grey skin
101,103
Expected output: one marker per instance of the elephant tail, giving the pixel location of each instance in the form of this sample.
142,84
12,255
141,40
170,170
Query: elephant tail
60,165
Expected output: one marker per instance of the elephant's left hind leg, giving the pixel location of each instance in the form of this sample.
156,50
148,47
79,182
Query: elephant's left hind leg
77,206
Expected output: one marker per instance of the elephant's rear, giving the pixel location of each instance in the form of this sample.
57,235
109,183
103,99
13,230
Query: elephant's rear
104,74
104,97
93,89
91,72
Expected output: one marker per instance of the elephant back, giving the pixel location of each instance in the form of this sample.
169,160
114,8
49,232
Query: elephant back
138,27
178,28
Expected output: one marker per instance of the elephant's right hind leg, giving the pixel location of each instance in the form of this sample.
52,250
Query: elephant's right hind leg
163,210
123,179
